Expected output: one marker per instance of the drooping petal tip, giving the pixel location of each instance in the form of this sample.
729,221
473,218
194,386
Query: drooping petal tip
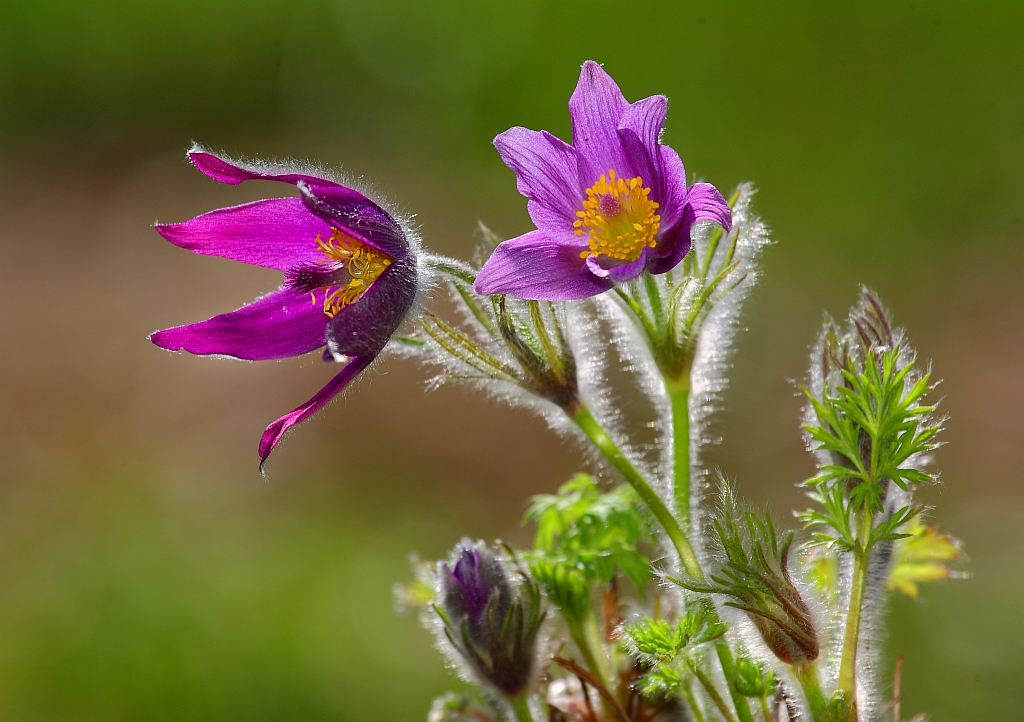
235,172
276,431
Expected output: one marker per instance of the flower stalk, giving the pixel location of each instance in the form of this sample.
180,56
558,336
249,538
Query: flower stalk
851,638
596,433
521,708
807,675
679,398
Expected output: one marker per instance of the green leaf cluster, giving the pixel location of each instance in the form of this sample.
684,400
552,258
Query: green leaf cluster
671,311
661,647
873,424
588,535
520,343
754,679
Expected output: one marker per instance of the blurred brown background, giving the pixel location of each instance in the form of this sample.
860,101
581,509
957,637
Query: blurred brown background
147,571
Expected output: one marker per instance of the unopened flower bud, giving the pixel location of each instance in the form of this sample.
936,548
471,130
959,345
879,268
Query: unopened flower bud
756,575
491,621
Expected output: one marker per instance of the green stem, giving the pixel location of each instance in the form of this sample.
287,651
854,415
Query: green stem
692,700
589,425
584,633
521,708
729,670
709,686
848,665
808,677
765,712
679,397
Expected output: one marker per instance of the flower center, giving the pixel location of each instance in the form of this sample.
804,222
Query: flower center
357,266
619,217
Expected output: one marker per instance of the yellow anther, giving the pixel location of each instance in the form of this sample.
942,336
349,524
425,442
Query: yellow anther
619,217
362,262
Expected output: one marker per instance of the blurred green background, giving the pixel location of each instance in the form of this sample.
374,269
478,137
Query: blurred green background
147,572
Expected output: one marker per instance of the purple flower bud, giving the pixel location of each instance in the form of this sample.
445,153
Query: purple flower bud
491,621
469,587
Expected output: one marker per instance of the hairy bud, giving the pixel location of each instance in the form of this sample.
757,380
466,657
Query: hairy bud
756,575
491,622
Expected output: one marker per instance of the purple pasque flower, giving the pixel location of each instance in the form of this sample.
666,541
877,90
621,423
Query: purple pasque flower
607,208
350,277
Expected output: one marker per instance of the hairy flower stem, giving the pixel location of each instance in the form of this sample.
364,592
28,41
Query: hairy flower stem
679,397
691,698
585,634
589,425
729,670
709,687
848,665
808,677
521,708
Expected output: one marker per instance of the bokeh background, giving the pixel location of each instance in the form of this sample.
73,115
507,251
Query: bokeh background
147,571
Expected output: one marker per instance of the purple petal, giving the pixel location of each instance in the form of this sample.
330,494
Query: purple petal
539,266
674,180
274,233
235,172
279,325
622,272
366,326
703,202
547,173
707,204
638,132
596,107
357,215
676,244
276,431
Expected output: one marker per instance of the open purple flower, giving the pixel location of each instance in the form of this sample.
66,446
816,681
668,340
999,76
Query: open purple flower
350,277
607,208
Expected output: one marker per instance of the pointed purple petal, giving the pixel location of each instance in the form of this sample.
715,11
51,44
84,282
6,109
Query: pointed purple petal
539,266
708,205
547,173
638,132
235,172
703,202
279,325
366,326
357,215
596,107
276,431
274,233
674,180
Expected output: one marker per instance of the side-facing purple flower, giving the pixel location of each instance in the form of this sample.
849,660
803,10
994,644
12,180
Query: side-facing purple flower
607,208
350,277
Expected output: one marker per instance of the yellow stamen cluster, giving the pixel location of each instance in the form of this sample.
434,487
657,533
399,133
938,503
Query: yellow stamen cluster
619,217
363,263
